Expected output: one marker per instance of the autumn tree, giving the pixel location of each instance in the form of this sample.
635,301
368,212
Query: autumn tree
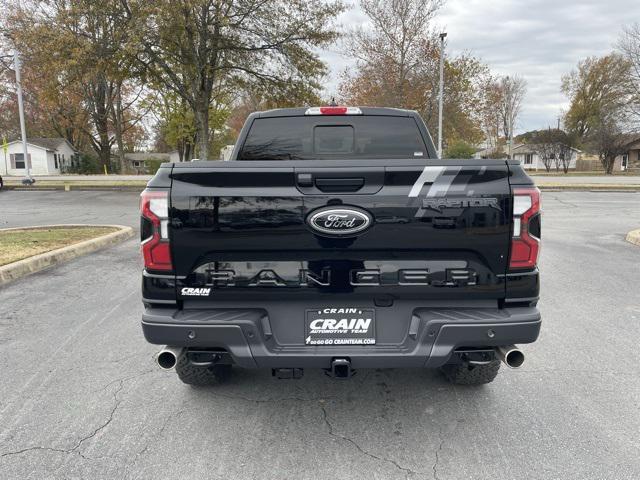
175,126
399,35
85,43
199,48
8,107
253,97
397,66
600,91
46,113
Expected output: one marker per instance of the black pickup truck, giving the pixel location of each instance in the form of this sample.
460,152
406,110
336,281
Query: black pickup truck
336,239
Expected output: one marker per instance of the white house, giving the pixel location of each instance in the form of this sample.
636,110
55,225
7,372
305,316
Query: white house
530,159
225,152
46,156
137,162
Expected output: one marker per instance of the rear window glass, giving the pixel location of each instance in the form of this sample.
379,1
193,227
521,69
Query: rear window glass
328,137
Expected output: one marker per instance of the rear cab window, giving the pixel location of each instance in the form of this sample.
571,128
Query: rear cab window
333,137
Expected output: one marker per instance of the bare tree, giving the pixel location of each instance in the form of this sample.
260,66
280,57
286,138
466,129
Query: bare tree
512,92
490,114
565,154
629,46
553,147
609,141
400,30
500,109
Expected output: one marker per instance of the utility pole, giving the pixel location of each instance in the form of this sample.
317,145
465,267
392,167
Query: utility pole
510,120
23,128
441,94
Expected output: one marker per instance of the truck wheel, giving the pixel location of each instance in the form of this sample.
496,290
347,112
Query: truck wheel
201,376
465,374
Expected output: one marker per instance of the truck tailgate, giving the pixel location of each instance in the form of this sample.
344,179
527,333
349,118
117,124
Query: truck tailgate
440,229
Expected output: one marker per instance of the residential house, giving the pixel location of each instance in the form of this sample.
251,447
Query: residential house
45,156
530,159
629,161
488,152
225,152
137,163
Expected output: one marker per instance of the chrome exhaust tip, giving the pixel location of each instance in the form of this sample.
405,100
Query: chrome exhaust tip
167,358
510,355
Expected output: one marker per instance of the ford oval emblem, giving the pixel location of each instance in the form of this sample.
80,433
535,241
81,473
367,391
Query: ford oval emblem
339,222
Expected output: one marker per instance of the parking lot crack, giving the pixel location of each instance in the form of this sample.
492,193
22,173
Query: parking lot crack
130,377
407,471
104,424
76,448
31,449
437,460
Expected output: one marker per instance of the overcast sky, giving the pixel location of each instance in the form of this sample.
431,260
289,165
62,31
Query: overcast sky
537,39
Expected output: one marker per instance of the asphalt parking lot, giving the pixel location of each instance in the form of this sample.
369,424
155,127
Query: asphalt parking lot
81,396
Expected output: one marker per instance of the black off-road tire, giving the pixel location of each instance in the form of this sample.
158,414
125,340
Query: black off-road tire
465,374
201,376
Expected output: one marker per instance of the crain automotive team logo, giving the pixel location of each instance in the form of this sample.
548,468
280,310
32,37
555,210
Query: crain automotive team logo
195,292
339,221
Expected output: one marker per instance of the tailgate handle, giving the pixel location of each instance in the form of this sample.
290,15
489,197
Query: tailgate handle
339,184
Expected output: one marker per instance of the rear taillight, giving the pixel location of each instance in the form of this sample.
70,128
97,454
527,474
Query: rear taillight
525,244
154,208
333,111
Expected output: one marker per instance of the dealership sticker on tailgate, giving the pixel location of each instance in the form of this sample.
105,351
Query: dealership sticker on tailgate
340,326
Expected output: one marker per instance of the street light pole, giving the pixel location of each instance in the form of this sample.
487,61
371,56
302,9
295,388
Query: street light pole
509,94
23,128
441,94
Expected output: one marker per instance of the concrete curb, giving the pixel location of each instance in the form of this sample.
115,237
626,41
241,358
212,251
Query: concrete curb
633,237
138,186
82,186
34,264
588,187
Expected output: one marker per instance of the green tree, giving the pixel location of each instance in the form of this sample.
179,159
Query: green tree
600,91
201,49
459,149
597,89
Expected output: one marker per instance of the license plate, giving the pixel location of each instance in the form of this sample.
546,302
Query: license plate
340,326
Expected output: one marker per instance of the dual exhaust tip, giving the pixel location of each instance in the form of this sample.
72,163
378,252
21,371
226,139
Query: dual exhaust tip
168,357
510,355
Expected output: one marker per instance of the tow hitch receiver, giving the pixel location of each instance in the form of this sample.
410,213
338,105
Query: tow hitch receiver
287,373
205,358
341,368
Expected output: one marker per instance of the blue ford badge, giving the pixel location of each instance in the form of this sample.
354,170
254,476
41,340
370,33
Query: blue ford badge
339,222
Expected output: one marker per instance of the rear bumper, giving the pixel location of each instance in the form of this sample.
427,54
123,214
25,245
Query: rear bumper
431,335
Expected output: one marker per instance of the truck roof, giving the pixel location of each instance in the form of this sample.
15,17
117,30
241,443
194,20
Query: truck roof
300,111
